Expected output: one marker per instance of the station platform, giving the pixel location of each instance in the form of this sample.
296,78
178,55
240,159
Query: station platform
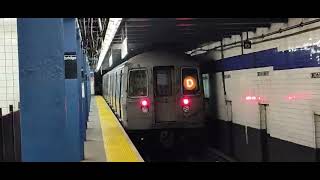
106,139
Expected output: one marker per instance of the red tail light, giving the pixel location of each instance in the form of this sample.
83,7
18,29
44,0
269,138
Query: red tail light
144,104
186,101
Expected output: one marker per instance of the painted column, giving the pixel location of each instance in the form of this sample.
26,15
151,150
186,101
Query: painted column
72,83
44,127
81,103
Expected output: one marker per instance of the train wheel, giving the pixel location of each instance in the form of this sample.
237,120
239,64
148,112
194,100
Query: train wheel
167,139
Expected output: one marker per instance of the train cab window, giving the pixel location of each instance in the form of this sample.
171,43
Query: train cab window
137,83
163,81
190,81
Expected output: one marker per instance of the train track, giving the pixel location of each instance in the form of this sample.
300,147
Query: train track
188,153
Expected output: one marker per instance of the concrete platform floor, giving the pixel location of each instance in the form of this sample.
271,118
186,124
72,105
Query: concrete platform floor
94,146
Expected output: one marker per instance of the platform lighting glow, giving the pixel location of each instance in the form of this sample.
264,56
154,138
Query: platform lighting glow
112,28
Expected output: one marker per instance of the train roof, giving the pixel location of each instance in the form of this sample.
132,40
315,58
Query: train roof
160,58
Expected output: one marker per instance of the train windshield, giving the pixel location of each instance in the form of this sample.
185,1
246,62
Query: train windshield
137,83
163,82
190,82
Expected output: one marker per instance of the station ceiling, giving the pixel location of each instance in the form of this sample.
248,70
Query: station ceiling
186,33
182,33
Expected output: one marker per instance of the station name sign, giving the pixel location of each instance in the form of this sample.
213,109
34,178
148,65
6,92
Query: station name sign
263,73
247,44
227,76
315,75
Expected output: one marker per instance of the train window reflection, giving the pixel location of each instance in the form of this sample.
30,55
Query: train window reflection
190,81
137,83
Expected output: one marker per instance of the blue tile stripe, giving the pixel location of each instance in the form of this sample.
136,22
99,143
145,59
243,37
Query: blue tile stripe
280,60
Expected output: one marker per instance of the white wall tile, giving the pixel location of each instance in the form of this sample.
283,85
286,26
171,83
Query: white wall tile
9,70
290,120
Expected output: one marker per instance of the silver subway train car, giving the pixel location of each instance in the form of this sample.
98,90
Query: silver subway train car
156,91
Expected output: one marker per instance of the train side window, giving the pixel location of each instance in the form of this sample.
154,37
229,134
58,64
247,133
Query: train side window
137,83
190,81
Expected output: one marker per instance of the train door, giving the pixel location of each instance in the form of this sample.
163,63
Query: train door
112,91
164,99
116,94
120,93
124,94
264,131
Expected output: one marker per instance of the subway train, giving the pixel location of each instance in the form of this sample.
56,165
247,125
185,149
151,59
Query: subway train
157,93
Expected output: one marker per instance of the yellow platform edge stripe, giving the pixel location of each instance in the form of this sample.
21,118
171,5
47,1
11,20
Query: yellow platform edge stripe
117,145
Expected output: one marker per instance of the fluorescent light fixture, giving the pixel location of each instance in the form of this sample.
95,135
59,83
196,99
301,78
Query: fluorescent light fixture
112,28
124,48
78,29
110,60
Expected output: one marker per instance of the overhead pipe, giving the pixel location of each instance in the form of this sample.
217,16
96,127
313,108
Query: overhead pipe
84,27
100,24
92,33
267,35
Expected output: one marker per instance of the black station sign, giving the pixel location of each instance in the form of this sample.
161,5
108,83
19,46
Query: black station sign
315,75
70,62
247,44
